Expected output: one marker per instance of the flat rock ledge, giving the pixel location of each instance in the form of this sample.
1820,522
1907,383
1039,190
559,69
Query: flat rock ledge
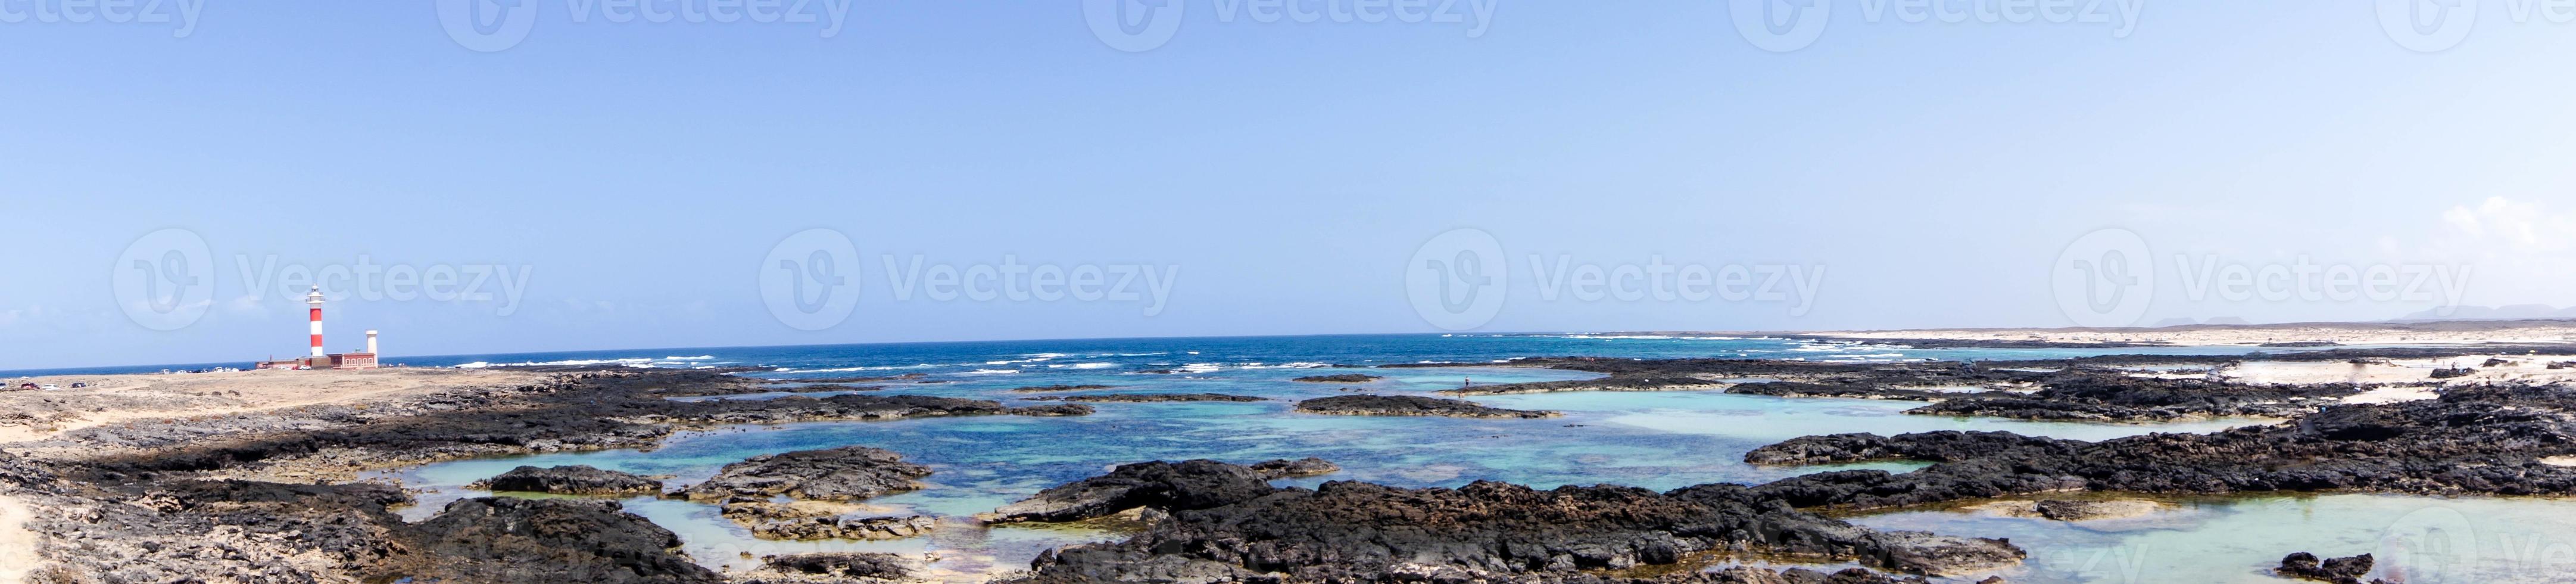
1217,522
850,473
1151,397
1408,405
802,522
834,567
570,480
2472,440
1059,387
1339,378
2306,566
2065,510
1303,467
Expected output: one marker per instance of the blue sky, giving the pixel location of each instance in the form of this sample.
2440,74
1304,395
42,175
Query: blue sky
641,173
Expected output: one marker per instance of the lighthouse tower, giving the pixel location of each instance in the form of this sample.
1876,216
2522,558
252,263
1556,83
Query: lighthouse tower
322,359
315,299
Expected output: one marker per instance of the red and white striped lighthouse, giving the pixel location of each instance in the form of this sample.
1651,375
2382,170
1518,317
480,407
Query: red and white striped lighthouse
315,299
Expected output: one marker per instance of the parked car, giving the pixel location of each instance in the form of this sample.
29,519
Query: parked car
49,387
79,385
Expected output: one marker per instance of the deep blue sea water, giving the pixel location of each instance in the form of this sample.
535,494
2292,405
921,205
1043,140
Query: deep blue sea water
1658,440
1112,354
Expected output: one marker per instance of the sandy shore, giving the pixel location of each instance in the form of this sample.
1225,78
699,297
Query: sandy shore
2428,333
113,399
17,544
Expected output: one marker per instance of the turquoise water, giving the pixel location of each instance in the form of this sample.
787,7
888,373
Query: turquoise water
1658,440
2416,540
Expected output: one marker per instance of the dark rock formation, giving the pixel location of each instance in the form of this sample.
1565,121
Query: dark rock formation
844,565
2114,397
1409,405
1055,388
1339,378
1487,531
2471,440
849,407
2451,372
2304,566
2089,510
1805,389
1303,467
570,480
501,539
1054,410
776,521
851,473
1151,397
1192,484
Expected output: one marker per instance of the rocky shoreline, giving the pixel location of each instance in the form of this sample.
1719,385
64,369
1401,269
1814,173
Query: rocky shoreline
234,493
1150,398
151,502
1216,522
2469,441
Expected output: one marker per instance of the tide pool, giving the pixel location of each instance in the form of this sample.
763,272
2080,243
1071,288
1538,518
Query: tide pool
2417,540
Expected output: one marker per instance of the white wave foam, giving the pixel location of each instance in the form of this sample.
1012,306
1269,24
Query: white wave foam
853,369
991,372
629,362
